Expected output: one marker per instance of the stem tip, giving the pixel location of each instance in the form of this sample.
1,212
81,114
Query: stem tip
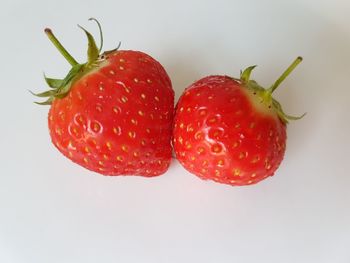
48,31
285,74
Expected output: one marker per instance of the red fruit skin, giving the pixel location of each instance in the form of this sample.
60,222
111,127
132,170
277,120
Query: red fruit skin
220,134
117,119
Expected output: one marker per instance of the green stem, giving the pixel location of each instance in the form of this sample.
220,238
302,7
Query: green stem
60,48
285,74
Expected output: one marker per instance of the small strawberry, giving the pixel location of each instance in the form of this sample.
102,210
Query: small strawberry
231,130
113,114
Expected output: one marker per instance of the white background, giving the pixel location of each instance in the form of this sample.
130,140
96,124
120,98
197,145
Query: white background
54,211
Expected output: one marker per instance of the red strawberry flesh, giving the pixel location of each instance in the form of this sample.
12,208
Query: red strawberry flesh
117,119
231,130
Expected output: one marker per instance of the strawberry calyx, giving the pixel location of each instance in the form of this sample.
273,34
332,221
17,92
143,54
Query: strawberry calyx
59,88
264,95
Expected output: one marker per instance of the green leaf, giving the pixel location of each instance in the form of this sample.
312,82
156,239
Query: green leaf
295,118
63,90
75,70
53,83
245,76
60,87
113,50
93,51
44,94
61,93
101,34
281,113
72,73
47,102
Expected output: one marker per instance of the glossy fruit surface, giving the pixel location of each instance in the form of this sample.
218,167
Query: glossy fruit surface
115,115
229,130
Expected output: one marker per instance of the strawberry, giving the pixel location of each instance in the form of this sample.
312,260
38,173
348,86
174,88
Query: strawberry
113,114
231,130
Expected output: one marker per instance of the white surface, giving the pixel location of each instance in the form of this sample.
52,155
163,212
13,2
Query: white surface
54,211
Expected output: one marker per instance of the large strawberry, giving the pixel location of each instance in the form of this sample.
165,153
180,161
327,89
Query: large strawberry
113,114
231,130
